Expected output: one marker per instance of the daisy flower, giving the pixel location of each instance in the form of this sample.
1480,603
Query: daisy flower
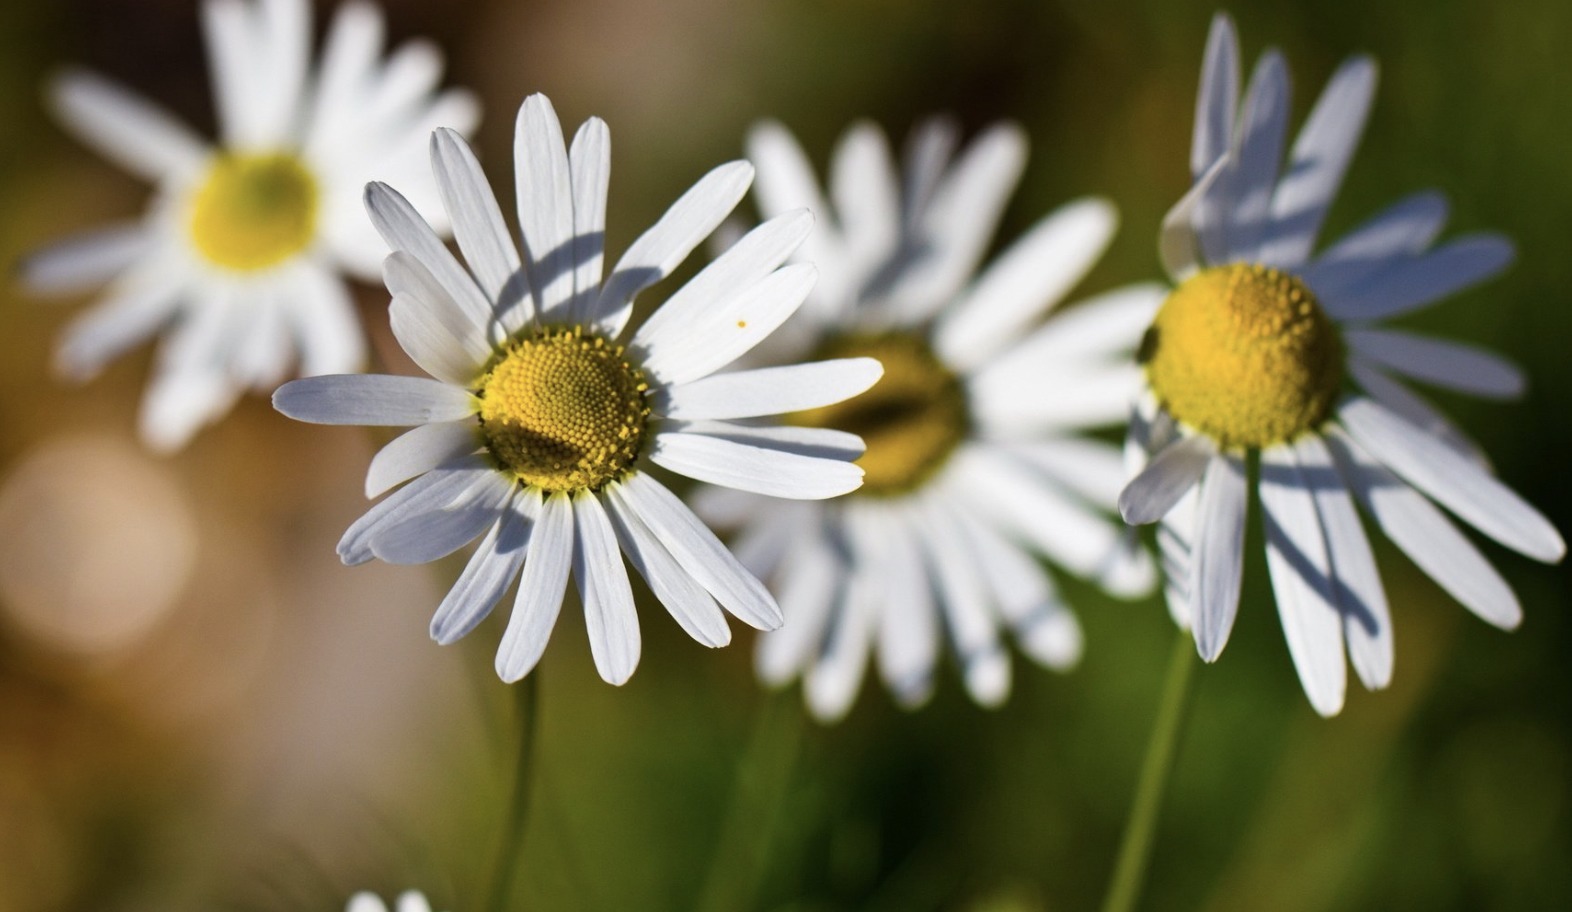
408,901
1264,351
976,462
238,261
542,424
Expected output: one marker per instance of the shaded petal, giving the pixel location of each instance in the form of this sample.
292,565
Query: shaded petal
668,242
85,260
478,227
1217,561
422,538
602,578
403,229
808,580
1425,535
1405,228
420,450
687,601
1170,476
1455,482
1301,569
1263,127
774,473
1179,241
545,204
428,493
1217,100
1438,362
1320,157
541,587
1403,285
589,164
489,573
377,400
1367,621
696,549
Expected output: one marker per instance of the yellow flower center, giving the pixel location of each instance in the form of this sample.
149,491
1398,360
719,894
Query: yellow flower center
254,211
563,409
911,420
1244,354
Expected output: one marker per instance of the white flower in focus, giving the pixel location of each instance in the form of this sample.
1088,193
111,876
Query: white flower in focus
976,460
408,901
238,261
543,421
1265,348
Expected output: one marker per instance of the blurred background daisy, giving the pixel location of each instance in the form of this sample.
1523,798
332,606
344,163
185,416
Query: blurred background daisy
200,707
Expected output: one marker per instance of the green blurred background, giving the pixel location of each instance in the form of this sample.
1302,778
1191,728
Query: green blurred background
199,708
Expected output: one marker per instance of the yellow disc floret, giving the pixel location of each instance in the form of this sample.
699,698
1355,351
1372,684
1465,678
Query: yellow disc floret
1244,354
563,409
911,420
254,211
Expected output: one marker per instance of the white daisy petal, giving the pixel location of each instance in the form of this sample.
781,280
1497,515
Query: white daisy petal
1218,98
349,55
1401,286
1301,569
1032,508
1424,533
668,242
1320,157
726,292
1218,557
125,128
1168,477
413,901
589,160
112,327
1110,324
809,581
697,549
421,539
1180,241
406,277
431,344
866,198
964,596
477,218
687,601
1450,365
418,451
751,468
1404,229
1367,621
545,203
1455,482
86,260
770,390
230,28
603,588
1024,282
541,588
403,228
428,493
326,328
1091,468
378,400
706,342
832,682
928,151
1025,596
1010,402
961,217
1263,125
786,183
821,443
908,626
1414,409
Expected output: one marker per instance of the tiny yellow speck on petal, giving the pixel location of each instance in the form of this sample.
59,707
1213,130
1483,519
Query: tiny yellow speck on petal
253,212
1244,354
563,409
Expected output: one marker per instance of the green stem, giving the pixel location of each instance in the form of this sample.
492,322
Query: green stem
1135,847
764,775
526,702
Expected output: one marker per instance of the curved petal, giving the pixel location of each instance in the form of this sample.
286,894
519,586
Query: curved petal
376,400
602,579
770,390
541,587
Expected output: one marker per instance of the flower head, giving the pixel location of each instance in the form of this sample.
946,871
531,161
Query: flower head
976,458
545,416
1265,347
239,261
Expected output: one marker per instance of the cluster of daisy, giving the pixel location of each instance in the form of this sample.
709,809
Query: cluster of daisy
900,459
